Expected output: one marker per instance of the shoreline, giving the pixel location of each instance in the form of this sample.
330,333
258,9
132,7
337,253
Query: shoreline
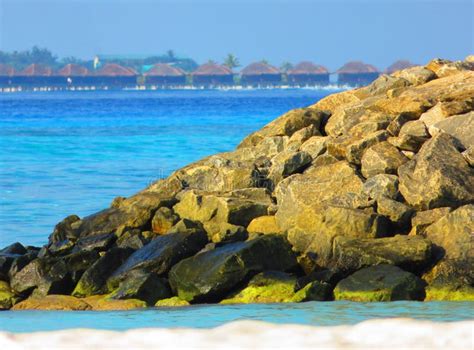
256,334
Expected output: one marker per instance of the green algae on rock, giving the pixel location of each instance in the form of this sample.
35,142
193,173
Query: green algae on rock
380,283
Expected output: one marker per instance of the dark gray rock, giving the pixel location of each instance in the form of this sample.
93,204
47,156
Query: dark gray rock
208,276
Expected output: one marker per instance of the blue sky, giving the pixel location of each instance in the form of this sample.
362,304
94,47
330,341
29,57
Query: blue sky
326,32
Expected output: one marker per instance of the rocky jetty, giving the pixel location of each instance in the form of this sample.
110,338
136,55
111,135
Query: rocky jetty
366,195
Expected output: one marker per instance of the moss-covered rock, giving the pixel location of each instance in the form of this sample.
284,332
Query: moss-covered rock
448,293
380,283
266,287
105,303
264,224
209,276
94,279
314,291
172,302
7,296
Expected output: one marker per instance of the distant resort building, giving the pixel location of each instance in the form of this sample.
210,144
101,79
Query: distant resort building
357,73
36,75
308,73
399,65
212,74
115,76
162,74
260,74
6,74
75,75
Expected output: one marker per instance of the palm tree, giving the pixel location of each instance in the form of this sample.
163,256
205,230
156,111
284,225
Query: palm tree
231,61
286,66
264,61
171,55
211,61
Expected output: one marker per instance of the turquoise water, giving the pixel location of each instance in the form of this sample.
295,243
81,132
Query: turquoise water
73,152
206,316
64,153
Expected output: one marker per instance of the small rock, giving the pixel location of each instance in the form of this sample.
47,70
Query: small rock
414,128
422,219
264,224
382,158
163,220
314,146
172,302
381,185
397,212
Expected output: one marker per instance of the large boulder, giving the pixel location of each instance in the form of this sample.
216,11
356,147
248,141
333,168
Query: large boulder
407,252
93,281
160,254
380,283
452,237
141,285
45,276
125,214
210,275
214,210
461,127
286,125
438,176
321,204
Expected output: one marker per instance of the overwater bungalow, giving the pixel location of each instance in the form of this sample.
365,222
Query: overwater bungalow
357,73
162,74
308,73
113,75
37,75
260,74
6,74
75,75
212,74
399,65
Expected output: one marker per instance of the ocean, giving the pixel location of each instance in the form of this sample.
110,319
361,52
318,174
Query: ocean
65,153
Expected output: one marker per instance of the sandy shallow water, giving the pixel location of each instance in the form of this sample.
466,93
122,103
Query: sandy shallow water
394,333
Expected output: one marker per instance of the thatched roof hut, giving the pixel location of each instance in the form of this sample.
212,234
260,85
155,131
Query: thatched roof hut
259,68
211,74
115,70
6,70
399,65
308,73
165,74
212,69
73,70
357,73
36,70
357,67
165,70
307,67
260,73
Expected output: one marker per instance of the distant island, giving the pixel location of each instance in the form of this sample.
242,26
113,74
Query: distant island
39,69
